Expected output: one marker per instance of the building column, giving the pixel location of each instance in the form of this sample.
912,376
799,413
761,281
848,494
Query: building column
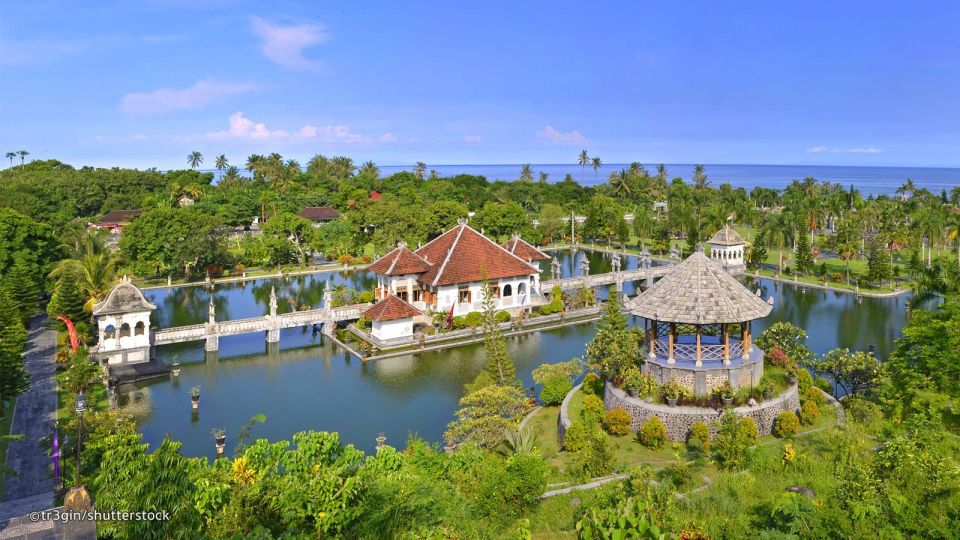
670,344
743,341
212,343
652,337
699,351
726,345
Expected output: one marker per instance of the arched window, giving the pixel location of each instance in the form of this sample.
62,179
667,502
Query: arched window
507,290
124,330
521,289
109,332
139,329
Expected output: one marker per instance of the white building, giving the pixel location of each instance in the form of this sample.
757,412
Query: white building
727,247
123,325
445,275
391,318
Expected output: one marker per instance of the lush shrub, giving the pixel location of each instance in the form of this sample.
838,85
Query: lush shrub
786,425
862,411
804,380
809,412
652,433
699,438
473,319
824,385
732,441
575,437
592,412
592,384
458,322
812,394
617,422
596,456
507,488
748,430
778,358
554,390
554,306
365,297
501,317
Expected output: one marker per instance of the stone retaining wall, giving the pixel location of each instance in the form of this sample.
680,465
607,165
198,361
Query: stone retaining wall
678,420
563,421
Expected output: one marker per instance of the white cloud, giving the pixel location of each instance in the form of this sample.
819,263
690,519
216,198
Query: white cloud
821,149
242,127
197,96
284,45
474,138
550,134
21,53
388,138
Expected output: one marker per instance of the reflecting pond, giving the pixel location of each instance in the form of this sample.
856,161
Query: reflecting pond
309,383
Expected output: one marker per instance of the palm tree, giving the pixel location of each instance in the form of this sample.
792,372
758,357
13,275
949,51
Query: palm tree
584,161
221,162
700,180
620,183
907,188
526,173
22,154
953,231
420,170
10,156
776,230
595,163
93,265
194,159
230,177
254,162
543,177
371,169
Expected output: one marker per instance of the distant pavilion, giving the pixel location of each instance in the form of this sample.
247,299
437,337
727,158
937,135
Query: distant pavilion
688,318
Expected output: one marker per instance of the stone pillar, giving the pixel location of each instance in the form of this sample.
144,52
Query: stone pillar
726,345
700,382
699,351
273,301
212,343
652,338
743,341
273,335
670,343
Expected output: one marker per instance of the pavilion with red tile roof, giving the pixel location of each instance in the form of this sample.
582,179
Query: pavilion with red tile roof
524,250
391,318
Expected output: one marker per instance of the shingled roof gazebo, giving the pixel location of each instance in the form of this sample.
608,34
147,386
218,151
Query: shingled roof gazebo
688,318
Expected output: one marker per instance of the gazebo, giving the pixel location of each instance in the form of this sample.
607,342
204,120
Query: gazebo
698,326
727,247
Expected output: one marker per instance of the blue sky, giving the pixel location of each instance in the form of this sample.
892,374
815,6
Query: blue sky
144,83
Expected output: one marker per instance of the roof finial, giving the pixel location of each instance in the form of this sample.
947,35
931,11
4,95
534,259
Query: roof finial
401,244
462,221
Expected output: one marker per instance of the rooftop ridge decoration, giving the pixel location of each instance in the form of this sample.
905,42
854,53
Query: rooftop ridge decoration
726,236
529,252
461,250
699,291
125,297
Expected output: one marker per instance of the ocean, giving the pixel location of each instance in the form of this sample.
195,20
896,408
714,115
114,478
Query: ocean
869,180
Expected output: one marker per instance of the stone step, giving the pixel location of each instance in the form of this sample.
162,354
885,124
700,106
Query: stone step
22,507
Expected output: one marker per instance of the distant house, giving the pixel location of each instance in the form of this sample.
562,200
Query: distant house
320,214
391,318
446,274
660,207
375,196
115,221
184,201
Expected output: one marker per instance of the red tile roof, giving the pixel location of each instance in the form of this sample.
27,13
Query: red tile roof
319,213
391,308
398,262
119,217
375,195
462,255
525,251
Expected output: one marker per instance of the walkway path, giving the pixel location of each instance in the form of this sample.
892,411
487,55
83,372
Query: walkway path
33,416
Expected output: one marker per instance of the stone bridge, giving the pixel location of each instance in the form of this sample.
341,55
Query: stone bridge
271,324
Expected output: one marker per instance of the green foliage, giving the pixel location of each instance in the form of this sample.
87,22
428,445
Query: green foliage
788,338
473,319
878,262
22,284
786,424
616,422
486,414
595,457
628,520
814,395
499,366
14,379
80,374
556,302
297,234
748,430
502,317
505,491
614,348
592,384
652,434
809,412
554,390
804,381
862,411
575,437
803,257
173,240
733,440
557,380
592,412
68,299
22,238
699,438
855,372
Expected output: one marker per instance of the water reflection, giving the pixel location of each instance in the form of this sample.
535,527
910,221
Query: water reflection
307,383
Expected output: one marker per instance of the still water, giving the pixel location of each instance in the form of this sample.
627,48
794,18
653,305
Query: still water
309,383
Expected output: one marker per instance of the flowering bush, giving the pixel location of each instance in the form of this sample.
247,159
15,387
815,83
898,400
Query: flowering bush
778,358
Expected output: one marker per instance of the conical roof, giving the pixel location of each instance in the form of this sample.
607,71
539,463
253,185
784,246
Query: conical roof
727,237
699,291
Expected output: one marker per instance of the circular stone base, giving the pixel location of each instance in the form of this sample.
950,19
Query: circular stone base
679,420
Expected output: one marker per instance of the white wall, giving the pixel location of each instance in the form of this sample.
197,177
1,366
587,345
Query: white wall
127,342
392,329
449,294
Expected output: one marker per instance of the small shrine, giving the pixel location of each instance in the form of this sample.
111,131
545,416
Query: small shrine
727,248
123,325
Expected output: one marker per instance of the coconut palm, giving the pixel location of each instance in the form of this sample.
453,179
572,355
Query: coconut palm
221,162
254,162
420,170
22,154
93,265
700,180
10,156
526,173
953,231
231,177
584,161
620,183
776,230
543,177
596,164
194,159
